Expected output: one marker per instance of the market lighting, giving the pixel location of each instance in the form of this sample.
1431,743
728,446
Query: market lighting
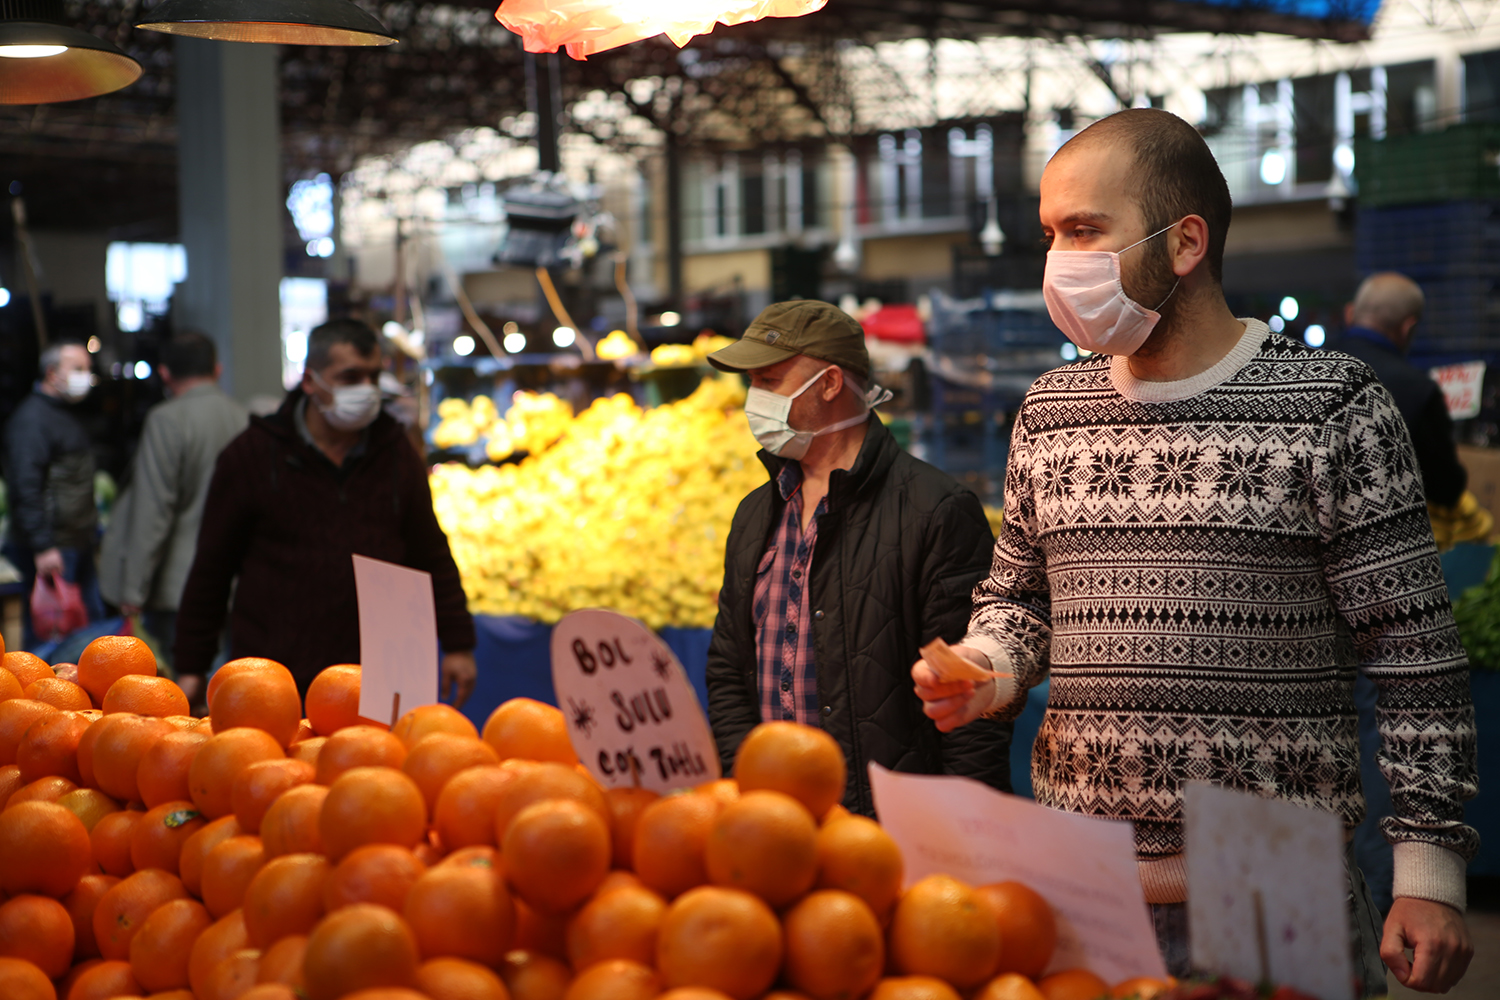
564,336
514,343
670,318
585,27
1343,158
274,22
142,369
31,51
1069,352
4,297
1289,308
43,59
94,345
1315,336
1276,323
463,345
1273,167
321,247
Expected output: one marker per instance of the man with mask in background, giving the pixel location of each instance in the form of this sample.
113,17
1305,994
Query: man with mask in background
49,478
1209,528
839,569
327,477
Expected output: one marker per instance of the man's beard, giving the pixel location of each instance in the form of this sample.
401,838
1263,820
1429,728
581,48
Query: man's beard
1153,285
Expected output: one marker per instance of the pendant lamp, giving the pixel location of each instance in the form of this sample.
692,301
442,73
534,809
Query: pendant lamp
584,27
275,22
43,60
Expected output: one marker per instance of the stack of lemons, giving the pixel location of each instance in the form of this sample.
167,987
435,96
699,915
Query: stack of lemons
533,422
628,509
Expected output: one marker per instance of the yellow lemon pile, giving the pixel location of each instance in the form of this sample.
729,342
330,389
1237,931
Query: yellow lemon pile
533,422
628,509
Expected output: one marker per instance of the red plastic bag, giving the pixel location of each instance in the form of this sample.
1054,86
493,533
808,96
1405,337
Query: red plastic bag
56,608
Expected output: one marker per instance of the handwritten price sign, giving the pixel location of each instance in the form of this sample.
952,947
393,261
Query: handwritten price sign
633,715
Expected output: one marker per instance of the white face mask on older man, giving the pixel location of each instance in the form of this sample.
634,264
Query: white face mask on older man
354,407
768,411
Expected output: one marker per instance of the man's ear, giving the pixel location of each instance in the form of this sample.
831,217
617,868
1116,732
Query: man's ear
1407,326
835,384
1190,245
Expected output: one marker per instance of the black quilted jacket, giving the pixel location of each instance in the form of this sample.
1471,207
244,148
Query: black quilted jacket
899,551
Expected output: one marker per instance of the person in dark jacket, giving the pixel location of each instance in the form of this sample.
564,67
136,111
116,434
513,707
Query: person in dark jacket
49,476
839,569
292,499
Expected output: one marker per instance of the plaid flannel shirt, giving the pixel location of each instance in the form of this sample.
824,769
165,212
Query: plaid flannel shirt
783,641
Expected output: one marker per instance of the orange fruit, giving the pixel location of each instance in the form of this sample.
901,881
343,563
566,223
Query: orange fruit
1028,929
163,773
261,990
530,730
556,853
358,746
86,752
109,841
159,951
371,805
465,812
227,871
89,805
105,981
913,988
264,700
543,933
530,976
358,947
724,939
219,763
11,688
544,781
41,790
80,904
49,747
282,961
834,948
333,699
478,856
618,924
456,979
1010,986
290,826
26,668
262,783
126,905
222,939
44,849
243,665
801,761
726,790
285,897
232,976
16,716
304,732
765,843
461,912
156,841
39,930
375,873
158,697
122,741
669,842
855,854
616,979
942,928
618,879
1072,984
438,757
59,693
1139,988
387,993
197,846
20,980
307,750
704,993
110,657
10,781
625,808
426,720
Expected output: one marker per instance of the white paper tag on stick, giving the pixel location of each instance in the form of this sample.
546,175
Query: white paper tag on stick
1084,867
1267,890
398,641
633,716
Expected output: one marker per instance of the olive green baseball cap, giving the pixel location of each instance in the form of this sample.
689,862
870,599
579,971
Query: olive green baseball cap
786,329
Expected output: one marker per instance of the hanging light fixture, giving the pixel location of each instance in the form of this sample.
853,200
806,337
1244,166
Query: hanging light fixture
585,27
43,60
275,22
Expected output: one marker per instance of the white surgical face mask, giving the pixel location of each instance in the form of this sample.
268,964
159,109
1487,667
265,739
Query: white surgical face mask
354,407
77,386
768,411
1087,302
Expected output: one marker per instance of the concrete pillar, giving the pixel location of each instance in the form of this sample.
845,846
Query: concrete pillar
230,206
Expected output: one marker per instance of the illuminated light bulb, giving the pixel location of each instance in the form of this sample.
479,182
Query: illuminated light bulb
1273,167
670,318
142,369
514,343
1315,336
563,336
463,345
1289,308
31,51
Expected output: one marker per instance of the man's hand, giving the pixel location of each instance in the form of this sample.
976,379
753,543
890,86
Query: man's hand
50,562
456,677
956,703
1439,939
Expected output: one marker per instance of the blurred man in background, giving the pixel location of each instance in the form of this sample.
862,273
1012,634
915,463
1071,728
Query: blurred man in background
148,548
49,476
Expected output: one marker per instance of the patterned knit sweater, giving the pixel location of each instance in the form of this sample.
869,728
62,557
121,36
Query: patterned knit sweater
1201,566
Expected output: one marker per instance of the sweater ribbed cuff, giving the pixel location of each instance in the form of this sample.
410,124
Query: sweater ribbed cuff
1005,688
1427,871
1164,880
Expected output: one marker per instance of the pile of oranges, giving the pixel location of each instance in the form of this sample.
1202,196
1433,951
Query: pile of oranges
260,855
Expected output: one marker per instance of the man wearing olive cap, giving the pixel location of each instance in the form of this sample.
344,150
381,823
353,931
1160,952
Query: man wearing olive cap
839,569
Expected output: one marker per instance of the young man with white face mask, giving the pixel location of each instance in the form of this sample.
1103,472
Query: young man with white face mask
838,570
327,477
1208,529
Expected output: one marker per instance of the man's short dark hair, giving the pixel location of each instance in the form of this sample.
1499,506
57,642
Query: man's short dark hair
339,331
190,354
1175,173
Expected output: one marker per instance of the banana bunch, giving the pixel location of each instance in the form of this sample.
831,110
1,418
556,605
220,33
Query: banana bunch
627,508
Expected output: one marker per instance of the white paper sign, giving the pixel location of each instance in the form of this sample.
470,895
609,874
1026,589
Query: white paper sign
1266,891
1084,867
398,642
633,715
1463,388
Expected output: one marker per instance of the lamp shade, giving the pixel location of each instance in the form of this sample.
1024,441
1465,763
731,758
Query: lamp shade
585,27
275,22
43,60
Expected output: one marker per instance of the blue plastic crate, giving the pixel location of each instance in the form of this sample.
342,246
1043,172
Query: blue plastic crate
1446,240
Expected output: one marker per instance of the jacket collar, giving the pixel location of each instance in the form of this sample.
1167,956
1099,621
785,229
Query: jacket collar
845,486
